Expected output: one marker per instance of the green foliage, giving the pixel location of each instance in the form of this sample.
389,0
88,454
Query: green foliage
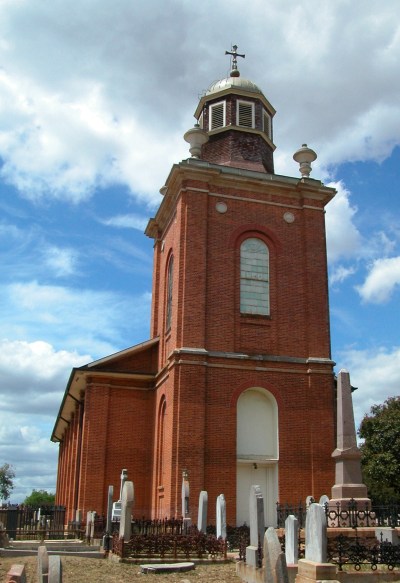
380,430
39,498
7,476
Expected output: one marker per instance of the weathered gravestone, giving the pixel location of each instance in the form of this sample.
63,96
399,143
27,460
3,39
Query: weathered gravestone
43,565
16,574
55,569
314,567
324,500
275,568
257,525
316,537
125,525
221,517
185,501
291,540
108,534
202,515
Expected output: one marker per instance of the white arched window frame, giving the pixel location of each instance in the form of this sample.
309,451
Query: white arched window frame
254,277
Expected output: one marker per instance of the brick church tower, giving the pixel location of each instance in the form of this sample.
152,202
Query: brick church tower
236,384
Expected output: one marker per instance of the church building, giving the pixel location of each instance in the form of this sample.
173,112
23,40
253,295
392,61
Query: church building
235,385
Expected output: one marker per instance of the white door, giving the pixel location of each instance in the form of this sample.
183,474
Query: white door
257,452
265,476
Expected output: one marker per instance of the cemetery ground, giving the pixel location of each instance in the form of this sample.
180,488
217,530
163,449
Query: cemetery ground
83,570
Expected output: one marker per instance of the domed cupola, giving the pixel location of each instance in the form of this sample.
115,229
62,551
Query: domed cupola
237,118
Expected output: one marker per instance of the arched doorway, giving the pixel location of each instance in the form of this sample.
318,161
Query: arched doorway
257,452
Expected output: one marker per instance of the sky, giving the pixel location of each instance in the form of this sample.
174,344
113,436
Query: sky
95,97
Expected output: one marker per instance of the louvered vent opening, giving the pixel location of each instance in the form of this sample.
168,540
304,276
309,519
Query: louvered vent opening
267,124
245,114
217,116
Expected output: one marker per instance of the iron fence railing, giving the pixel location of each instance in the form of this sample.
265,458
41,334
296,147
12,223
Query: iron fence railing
193,544
352,515
359,553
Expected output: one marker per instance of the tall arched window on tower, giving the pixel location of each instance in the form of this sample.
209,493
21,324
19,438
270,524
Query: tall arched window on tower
254,277
168,316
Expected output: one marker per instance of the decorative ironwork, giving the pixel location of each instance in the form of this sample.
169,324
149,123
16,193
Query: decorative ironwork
352,515
163,545
356,552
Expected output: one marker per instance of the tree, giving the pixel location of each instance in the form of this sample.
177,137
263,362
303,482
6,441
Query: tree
380,461
39,498
7,476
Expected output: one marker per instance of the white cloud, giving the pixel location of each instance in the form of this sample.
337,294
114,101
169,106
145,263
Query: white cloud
381,281
75,319
376,374
130,221
83,109
37,372
343,238
62,262
340,273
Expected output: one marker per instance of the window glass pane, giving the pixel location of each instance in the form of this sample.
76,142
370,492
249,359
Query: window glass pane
254,277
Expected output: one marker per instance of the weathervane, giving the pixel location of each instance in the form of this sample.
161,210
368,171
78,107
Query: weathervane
234,54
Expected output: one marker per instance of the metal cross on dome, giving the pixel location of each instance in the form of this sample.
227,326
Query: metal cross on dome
234,55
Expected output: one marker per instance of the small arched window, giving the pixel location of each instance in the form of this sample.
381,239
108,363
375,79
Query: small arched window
254,277
168,317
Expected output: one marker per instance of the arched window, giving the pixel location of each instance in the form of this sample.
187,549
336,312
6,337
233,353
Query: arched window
168,317
254,277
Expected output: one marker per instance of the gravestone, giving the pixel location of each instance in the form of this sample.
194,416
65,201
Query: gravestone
309,500
43,565
275,568
387,534
185,494
257,525
124,478
291,540
316,537
16,574
221,517
108,534
89,520
324,500
55,569
202,515
125,525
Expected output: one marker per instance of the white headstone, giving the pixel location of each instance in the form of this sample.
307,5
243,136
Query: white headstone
257,525
124,477
316,537
291,540
125,525
109,508
275,568
202,515
221,517
324,500
309,500
185,494
55,569
43,565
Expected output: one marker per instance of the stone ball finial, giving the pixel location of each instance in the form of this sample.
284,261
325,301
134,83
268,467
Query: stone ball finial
304,156
196,137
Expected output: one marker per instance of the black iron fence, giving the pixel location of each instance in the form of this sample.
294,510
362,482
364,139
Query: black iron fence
29,523
193,544
359,553
352,515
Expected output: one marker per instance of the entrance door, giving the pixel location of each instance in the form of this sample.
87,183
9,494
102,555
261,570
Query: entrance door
257,452
264,476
